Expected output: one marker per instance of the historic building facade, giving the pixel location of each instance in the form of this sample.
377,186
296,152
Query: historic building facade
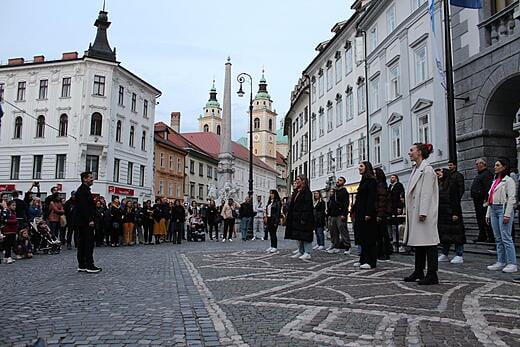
169,163
67,116
211,119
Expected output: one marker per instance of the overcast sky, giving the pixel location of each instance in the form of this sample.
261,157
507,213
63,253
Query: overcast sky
180,46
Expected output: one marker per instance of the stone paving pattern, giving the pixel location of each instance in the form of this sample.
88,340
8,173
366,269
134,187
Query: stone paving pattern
234,294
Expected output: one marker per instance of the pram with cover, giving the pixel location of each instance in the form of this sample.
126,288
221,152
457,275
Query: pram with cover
196,230
42,237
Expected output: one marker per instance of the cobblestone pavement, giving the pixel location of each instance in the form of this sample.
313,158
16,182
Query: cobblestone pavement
215,294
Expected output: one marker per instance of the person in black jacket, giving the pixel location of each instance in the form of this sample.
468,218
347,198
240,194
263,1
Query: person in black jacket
272,218
246,214
319,219
85,215
364,213
178,219
479,193
116,221
212,216
337,209
382,213
300,218
21,209
148,222
396,192
457,178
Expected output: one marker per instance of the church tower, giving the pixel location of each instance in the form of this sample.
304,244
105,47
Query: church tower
264,126
211,120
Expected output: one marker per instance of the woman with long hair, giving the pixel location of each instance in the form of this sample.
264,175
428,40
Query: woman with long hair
178,220
212,216
319,219
148,222
364,212
300,218
228,214
159,227
116,220
273,210
383,207
128,223
422,210
501,215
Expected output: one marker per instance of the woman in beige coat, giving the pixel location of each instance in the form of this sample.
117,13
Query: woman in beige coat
422,206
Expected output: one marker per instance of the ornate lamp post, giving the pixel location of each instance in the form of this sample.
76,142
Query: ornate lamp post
241,78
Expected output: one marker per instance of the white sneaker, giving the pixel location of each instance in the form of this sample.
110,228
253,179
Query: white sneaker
365,267
333,251
9,260
496,266
315,247
320,248
457,260
329,248
269,249
510,268
273,250
305,256
297,251
443,258
223,240
297,255
347,252
230,240
356,264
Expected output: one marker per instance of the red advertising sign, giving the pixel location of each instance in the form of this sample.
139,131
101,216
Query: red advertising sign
7,187
121,190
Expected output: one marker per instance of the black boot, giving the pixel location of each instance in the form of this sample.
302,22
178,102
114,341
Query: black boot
431,278
416,275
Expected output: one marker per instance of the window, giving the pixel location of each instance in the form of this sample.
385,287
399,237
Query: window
390,19
142,169
330,78
37,167
192,190
131,136
339,158
313,168
44,87
339,70
170,189
20,95
377,149
218,129
65,87
362,149
313,90
372,38
201,169
192,166
61,160
424,129
18,122
92,164
210,171
271,125
161,187
179,165
116,170
95,124
145,108
121,100
134,102
374,95
99,85
40,126
170,162
350,154
306,114
393,81
349,106
322,122
339,111
321,85
143,141
330,117
256,122
417,3
130,173
161,160
178,190
320,166
118,131
330,162
395,133
15,167
64,124
206,128
361,98
297,150
313,127
201,191
348,61
421,64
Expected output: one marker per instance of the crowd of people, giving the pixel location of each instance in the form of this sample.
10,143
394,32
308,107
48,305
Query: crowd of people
425,215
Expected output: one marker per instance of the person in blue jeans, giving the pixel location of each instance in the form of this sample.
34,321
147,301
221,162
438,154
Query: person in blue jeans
319,219
501,216
246,214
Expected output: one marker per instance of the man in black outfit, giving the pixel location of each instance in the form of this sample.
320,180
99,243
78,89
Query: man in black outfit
479,193
337,210
21,208
456,177
84,217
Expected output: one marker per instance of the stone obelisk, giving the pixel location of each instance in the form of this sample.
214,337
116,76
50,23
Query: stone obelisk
227,188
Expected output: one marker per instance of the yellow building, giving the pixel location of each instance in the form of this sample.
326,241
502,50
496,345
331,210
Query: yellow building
211,119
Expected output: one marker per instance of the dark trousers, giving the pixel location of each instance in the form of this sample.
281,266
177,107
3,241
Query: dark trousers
9,241
272,229
426,253
212,227
484,230
148,232
55,229
63,233
114,236
229,224
266,234
178,231
85,247
72,232
368,254
383,240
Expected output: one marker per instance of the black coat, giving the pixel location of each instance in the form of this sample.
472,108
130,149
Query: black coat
85,208
396,193
276,210
319,214
212,215
365,232
246,210
178,214
300,217
338,203
458,181
481,185
449,206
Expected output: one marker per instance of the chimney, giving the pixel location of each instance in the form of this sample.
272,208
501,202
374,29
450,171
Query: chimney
175,122
69,56
38,59
15,61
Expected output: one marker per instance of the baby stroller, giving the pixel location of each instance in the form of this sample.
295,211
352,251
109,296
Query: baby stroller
42,237
196,230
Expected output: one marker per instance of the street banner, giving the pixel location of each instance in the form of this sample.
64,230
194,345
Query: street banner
467,3
437,48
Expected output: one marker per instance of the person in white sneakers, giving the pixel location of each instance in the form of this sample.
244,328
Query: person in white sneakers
319,219
501,215
258,220
9,231
450,225
272,218
300,218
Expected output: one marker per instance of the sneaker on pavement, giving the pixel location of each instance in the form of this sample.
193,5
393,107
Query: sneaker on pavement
347,252
93,269
230,240
457,260
223,240
496,266
315,247
305,256
269,249
365,267
329,248
320,248
510,268
9,260
273,250
296,251
443,258
297,255
82,269
356,264
333,251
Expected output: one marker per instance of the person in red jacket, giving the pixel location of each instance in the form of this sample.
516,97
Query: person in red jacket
9,230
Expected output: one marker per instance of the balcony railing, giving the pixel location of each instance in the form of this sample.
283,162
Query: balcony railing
500,26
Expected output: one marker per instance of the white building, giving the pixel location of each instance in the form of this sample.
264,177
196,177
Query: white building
63,117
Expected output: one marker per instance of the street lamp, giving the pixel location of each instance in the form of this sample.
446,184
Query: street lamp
241,78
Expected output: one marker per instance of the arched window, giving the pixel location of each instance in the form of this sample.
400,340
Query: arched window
18,127
64,124
206,128
143,141
95,124
118,131
40,126
257,123
270,125
218,129
131,139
